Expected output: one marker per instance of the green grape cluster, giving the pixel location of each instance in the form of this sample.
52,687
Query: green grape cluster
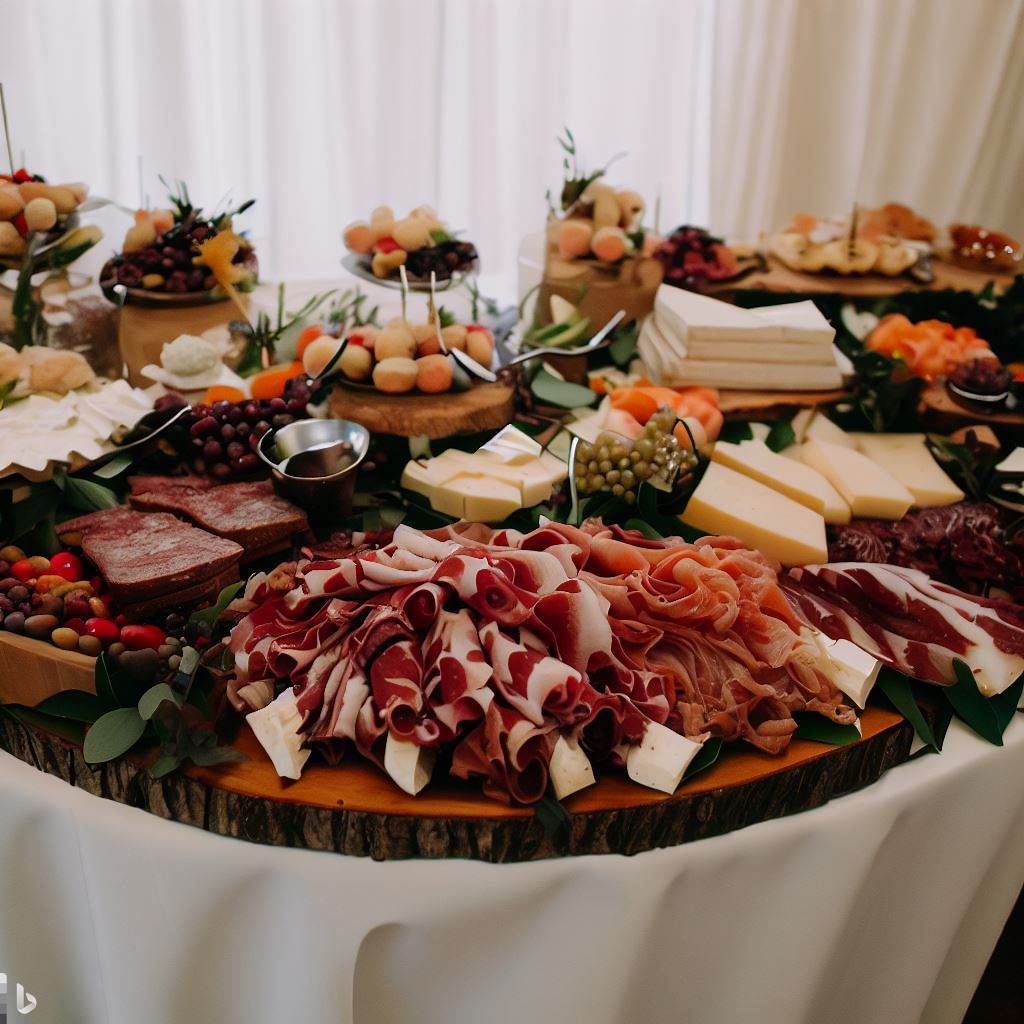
612,465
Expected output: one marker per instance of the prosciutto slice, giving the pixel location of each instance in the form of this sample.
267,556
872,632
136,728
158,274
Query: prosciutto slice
912,622
490,644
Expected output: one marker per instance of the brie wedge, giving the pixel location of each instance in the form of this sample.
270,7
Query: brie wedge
570,768
659,760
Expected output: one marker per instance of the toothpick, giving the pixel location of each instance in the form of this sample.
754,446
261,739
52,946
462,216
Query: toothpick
433,313
851,242
657,211
405,289
7,131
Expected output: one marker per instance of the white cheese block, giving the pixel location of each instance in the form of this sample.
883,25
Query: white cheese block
794,479
854,671
752,376
1013,463
809,423
870,491
511,445
277,728
908,458
800,322
659,760
761,351
729,503
570,768
694,317
486,500
409,765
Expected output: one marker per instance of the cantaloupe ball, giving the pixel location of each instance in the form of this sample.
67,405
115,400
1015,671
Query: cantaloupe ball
318,353
356,362
412,233
33,190
573,237
631,205
358,237
63,198
386,263
609,244
11,243
427,341
480,345
79,189
138,236
454,336
435,374
395,375
162,220
11,203
606,211
395,342
40,214
365,335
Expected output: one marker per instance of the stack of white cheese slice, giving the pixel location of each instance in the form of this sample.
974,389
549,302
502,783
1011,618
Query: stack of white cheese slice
508,473
38,431
695,339
779,503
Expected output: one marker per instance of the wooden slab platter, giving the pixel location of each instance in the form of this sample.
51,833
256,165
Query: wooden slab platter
31,670
777,277
355,809
939,406
481,407
768,405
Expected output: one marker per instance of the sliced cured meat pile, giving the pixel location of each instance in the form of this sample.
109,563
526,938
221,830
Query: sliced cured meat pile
912,622
964,544
490,645
165,563
250,514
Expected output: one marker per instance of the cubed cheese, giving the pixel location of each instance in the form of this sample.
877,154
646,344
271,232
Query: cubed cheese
908,458
729,503
570,768
852,670
794,479
511,445
870,491
486,500
408,764
660,758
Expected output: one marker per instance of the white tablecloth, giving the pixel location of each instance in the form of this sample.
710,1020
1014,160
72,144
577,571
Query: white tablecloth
881,907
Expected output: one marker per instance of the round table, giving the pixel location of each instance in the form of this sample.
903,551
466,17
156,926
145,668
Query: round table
883,905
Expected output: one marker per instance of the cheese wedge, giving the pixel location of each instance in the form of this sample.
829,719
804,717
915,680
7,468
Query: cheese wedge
511,445
1013,463
570,768
661,758
809,423
800,322
698,317
729,503
870,491
277,728
852,670
409,765
794,479
908,459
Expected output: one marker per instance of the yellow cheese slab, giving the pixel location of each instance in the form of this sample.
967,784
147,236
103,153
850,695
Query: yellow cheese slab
729,503
810,424
907,457
870,491
794,479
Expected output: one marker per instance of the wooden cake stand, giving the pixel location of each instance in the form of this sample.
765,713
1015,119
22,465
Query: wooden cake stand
481,407
355,809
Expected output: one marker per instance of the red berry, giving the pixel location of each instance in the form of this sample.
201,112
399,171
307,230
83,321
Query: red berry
103,629
386,245
136,638
21,176
18,220
76,623
24,570
67,565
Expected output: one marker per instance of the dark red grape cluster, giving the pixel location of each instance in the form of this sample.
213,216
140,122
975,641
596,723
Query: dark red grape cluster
444,259
226,434
693,257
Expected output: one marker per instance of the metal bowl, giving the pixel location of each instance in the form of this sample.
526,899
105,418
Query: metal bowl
328,494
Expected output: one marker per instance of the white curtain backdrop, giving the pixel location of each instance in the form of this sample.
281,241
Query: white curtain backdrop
738,112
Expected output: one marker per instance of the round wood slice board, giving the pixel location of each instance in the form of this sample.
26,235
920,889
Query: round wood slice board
779,278
355,809
482,407
32,670
937,401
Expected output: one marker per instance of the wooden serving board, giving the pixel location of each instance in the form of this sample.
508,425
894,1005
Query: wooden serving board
937,403
32,670
355,809
777,277
481,407
767,405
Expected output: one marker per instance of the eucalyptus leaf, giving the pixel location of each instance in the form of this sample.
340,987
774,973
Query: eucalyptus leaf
76,705
562,393
151,700
971,705
735,432
705,757
818,729
87,495
113,734
113,687
210,755
781,436
206,617
897,689
115,467
553,817
1005,703
164,765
